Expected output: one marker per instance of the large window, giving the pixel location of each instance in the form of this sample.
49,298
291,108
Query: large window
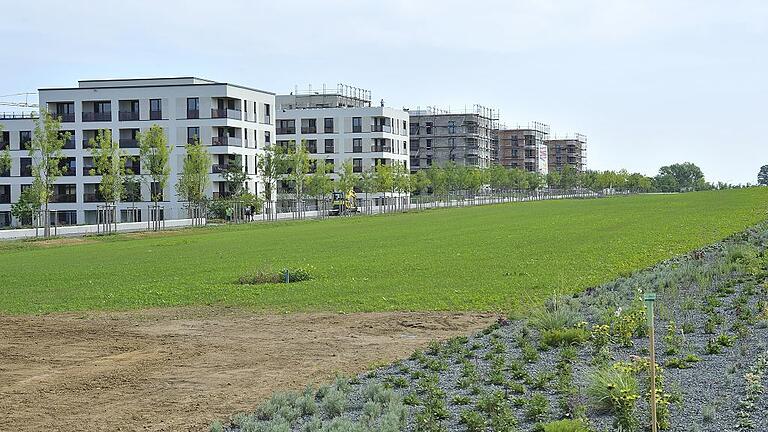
312,146
357,165
329,147
155,109
357,145
329,165
357,124
193,108
328,125
193,134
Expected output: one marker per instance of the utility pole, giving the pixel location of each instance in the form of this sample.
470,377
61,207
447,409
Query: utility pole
649,299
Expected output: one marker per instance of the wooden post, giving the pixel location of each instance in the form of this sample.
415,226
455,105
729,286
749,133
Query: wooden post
650,298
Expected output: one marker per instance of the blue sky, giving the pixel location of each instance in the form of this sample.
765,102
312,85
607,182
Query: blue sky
650,82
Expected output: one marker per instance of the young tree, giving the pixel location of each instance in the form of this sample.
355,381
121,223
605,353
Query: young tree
348,178
420,184
318,184
155,156
401,182
534,180
297,159
29,202
368,184
385,180
569,177
762,176
235,177
45,150
109,163
194,177
438,180
554,179
271,165
498,178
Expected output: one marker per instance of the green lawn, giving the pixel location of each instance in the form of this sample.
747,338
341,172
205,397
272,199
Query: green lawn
479,258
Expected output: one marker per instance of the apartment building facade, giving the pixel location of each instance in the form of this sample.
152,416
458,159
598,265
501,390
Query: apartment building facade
567,151
233,122
339,125
465,138
525,148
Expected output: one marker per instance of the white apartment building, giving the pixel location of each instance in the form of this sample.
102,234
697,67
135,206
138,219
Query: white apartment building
232,121
341,125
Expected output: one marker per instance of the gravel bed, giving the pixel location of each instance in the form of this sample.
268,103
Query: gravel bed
705,397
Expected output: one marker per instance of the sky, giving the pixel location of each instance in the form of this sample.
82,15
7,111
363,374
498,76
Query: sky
649,82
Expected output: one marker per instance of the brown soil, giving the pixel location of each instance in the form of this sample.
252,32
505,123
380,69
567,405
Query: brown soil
177,369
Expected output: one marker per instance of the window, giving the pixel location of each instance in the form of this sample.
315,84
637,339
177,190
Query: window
25,164
155,109
312,146
329,147
267,137
193,134
429,144
25,137
357,145
429,161
357,165
414,161
308,126
451,127
357,124
193,108
328,125
415,144
102,107
286,127
267,114
329,165
429,128
155,191
134,106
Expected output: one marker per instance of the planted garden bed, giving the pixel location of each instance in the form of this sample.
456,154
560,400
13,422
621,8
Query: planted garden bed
579,363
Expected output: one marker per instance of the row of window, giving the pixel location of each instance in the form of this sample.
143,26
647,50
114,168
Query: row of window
309,125
129,110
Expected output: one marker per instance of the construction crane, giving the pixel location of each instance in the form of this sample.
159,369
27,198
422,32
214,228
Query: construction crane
24,104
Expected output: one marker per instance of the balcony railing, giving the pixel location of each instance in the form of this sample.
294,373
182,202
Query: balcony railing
64,198
128,143
267,119
193,114
92,197
381,128
97,116
357,149
308,129
155,115
226,113
128,115
66,117
286,131
381,148
226,141
219,168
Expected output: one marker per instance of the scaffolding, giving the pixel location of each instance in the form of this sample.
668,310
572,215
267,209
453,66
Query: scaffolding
343,95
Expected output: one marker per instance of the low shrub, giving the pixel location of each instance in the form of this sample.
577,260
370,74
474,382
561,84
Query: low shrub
473,421
564,337
537,408
269,276
615,391
566,426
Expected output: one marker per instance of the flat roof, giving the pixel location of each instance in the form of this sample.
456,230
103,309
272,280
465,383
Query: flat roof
120,83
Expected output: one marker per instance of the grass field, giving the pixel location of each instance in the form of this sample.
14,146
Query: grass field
479,258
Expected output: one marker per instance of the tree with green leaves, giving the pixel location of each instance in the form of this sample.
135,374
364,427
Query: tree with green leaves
319,184
687,177
46,153
401,183
235,177
762,176
553,179
569,178
194,178
498,178
420,184
385,181
28,203
109,163
438,179
534,180
271,165
297,162
155,156
348,178
369,185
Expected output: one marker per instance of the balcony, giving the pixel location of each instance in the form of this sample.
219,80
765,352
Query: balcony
286,130
66,117
64,198
381,148
193,114
226,141
226,113
128,115
267,119
220,168
128,143
381,128
97,116
155,115
308,129
92,197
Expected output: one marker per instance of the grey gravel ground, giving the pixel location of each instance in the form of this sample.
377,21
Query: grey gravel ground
709,392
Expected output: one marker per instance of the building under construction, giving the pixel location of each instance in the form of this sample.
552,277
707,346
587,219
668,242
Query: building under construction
342,96
525,147
466,137
569,150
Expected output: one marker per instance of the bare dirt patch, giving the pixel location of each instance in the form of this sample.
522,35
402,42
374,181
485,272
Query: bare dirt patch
177,369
